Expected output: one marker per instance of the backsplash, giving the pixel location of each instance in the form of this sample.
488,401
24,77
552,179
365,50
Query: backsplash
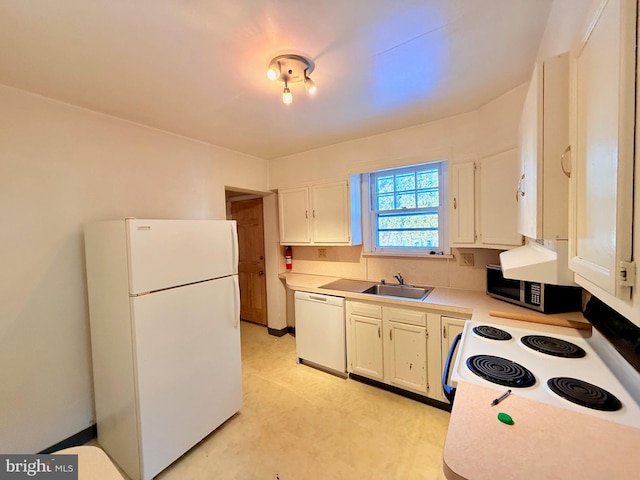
349,262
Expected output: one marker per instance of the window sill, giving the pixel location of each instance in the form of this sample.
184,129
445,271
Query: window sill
407,255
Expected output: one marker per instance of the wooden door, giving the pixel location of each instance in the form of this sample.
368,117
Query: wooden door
251,273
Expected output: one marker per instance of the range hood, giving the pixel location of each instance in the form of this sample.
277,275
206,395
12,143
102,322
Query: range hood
535,262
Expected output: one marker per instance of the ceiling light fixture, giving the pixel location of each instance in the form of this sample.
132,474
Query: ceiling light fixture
291,68
287,98
309,84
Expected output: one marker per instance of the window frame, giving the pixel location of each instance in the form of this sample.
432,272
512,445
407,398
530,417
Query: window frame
369,214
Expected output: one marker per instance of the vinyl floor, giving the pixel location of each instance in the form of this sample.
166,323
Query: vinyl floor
299,423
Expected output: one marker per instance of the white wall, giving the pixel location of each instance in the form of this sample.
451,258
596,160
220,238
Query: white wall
473,135
453,138
61,167
564,26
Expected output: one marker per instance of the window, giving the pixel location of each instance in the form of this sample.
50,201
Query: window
407,209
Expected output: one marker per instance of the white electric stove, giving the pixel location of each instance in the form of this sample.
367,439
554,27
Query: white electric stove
572,370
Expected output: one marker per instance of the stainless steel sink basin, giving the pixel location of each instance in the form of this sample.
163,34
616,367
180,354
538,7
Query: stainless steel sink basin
404,291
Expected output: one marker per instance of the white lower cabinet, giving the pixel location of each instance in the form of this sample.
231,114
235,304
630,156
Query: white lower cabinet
399,346
405,348
364,340
367,346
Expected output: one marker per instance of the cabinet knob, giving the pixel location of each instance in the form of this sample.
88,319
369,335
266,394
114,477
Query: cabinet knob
455,203
378,332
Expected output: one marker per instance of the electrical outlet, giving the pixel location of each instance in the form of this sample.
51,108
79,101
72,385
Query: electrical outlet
322,253
466,259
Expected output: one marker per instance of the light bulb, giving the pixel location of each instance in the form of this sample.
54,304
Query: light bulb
287,98
310,85
274,71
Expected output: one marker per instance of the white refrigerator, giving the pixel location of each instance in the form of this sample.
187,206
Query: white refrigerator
164,305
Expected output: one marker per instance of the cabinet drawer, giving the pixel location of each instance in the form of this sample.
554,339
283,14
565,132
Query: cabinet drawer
365,309
400,315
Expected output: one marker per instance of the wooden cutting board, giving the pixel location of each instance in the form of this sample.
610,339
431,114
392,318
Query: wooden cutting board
545,319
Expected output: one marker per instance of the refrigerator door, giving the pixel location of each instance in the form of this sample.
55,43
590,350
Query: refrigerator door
168,253
187,366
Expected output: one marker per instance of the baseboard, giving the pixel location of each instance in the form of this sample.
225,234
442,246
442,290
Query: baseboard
75,440
405,393
282,331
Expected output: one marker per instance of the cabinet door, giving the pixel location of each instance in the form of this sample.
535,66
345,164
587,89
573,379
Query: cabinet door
450,328
543,188
330,213
293,206
366,346
530,144
498,205
406,356
603,143
462,203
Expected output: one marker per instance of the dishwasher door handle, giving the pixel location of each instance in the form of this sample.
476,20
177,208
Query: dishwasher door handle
313,298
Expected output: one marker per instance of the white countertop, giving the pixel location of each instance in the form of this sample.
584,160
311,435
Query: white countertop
544,443
469,304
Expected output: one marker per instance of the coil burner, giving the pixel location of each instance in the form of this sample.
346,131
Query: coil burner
553,346
492,333
501,371
584,393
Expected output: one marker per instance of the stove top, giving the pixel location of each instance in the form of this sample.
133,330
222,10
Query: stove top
565,370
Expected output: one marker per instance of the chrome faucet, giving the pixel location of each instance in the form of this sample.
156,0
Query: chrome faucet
398,277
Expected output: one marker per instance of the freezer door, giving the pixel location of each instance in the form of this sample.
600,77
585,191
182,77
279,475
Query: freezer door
187,354
167,253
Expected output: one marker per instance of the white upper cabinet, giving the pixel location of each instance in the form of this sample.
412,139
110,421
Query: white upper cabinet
293,207
462,203
603,121
321,214
498,205
543,186
330,212
482,206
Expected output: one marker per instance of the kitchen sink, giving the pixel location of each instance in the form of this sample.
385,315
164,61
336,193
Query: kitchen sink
404,291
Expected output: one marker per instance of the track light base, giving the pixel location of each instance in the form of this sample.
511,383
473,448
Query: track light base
292,67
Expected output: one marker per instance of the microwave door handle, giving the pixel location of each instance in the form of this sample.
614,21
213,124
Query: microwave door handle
449,391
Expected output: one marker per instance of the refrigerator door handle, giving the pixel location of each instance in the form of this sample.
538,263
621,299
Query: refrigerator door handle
236,303
234,247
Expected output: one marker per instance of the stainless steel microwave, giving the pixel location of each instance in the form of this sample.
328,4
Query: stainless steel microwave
538,296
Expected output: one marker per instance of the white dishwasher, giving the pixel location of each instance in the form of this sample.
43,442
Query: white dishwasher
320,331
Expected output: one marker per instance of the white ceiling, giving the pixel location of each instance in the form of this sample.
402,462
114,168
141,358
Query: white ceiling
198,67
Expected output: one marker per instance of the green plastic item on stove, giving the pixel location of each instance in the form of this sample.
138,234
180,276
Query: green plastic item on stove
505,418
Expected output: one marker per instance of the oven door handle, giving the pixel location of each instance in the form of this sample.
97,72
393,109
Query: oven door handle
449,391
